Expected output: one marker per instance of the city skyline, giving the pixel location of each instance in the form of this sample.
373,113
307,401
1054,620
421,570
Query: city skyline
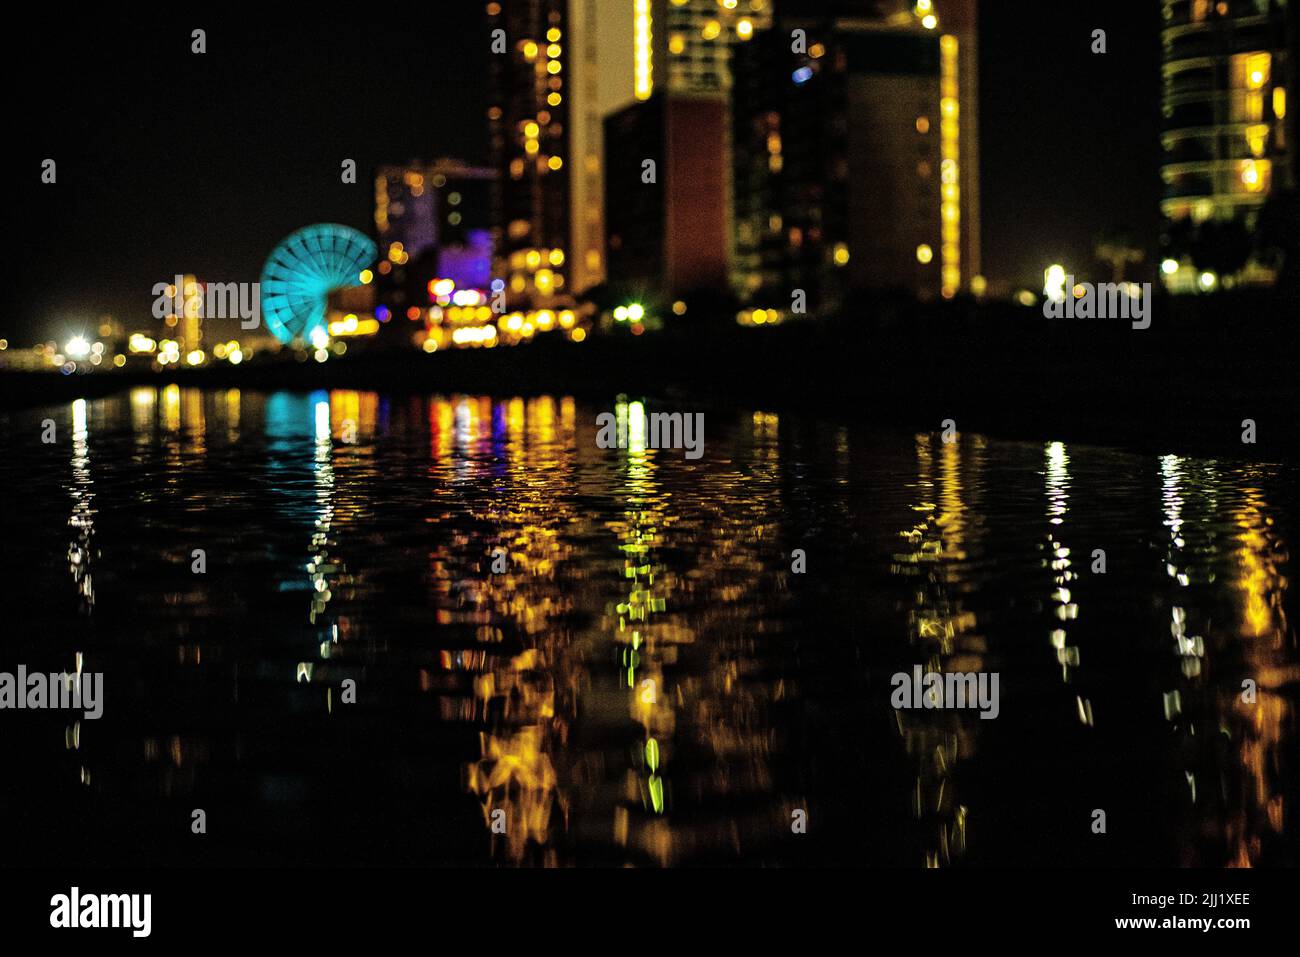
236,233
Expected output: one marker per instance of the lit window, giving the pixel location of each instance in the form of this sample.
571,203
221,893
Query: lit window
1257,138
1255,175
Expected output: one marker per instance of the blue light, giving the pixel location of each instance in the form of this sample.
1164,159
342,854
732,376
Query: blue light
303,270
803,75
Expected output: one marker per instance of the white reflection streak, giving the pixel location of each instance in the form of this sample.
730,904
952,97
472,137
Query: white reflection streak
323,469
82,519
82,523
1057,480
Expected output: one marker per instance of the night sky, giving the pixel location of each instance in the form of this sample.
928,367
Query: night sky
171,162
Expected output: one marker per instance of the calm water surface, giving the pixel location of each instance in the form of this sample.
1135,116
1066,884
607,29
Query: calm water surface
647,683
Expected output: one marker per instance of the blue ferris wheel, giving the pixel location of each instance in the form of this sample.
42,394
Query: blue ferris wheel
303,270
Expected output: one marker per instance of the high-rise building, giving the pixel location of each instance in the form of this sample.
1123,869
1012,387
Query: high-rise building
432,220
856,153
665,194
566,64
1228,135
685,46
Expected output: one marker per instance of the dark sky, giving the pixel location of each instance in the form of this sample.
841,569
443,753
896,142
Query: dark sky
168,161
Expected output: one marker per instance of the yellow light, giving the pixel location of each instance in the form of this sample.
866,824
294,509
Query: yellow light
553,67
923,124
760,316
139,343
578,334
679,308
1279,102
530,50
1054,282
636,312
555,162
553,51
924,254
950,173
712,30
1169,267
553,35
642,55
676,43
554,99
1256,175
557,257
1258,69
841,254
929,21
745,29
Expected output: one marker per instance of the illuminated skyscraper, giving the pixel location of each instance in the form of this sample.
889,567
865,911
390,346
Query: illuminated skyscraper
856,153
1228,138
567,63
432,220
675,236
685,46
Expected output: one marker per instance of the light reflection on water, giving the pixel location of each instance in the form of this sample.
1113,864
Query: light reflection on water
453,630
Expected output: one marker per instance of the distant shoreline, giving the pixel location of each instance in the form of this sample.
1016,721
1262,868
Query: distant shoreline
1183,386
